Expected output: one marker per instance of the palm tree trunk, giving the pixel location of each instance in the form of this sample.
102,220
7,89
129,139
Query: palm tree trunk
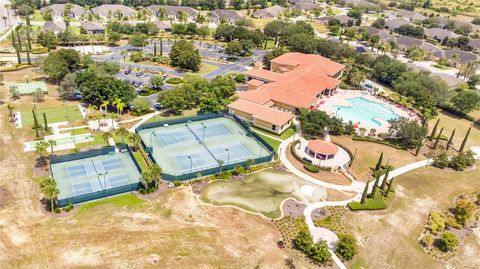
51,203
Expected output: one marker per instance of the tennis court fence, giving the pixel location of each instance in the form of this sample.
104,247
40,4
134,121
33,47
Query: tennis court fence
99,194
213,170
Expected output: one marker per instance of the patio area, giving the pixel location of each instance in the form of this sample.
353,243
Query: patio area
322,153
363,109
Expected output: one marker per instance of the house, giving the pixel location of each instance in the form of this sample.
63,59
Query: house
113,11
460,57
382,34
439,34
474,44
343,19
54,26
406,42
58,11
294,81
412,16
269,12
163,26
93,27
362,4
305,5
230,16
394,24
172,12
433,53
263,117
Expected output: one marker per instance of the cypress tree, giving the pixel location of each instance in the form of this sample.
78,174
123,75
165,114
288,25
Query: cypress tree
364,194
464,142
45,121
375,186
419,146
29,45
161,47
438,139
379,162
434,131
389,187
385,178
14,43
155,49
450,140
35,124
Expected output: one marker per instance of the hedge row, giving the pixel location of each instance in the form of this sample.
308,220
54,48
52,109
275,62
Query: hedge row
352,157
382,142
311,168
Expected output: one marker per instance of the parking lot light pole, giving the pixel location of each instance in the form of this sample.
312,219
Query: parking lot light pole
228,156
190,157
151,144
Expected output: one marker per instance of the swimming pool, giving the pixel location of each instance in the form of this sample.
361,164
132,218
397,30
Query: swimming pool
365,112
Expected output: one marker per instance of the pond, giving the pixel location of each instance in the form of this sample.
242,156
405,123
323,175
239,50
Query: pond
262,192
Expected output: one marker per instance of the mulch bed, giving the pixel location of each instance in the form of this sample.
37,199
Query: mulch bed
293,208
162,188
41,170
197,187
319,213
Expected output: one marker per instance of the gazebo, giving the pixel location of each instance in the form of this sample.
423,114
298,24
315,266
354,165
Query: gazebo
321,149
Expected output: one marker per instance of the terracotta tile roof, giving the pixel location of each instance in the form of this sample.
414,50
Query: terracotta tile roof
322,147
317,62
261,112
255,82
263,74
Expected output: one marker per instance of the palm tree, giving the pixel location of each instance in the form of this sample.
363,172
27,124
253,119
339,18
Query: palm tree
99,38
134,139
156,172
41,149
91,109
10,108
122,132
147,178
49,189
119,105
105,104
106,136
220,163
52,144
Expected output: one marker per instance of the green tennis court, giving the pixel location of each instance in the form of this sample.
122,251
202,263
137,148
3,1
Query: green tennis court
29,88
54,114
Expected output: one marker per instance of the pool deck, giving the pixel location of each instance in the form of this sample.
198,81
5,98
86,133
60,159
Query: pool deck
340,99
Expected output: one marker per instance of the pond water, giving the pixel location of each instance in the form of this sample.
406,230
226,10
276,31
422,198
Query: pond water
261,192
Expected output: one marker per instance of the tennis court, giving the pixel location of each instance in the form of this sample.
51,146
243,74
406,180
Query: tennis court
29,88
198,146
54,114
94,174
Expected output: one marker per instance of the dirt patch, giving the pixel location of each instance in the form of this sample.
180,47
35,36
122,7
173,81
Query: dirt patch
5,197
293,208
162,188
197,187
336,195
330,177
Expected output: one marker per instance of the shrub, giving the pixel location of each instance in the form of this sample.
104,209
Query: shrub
311,168
436,222
70,205
177,183
464,210
66,209
240,78
346,246
441,160
448,241
57,210
462,161
174,81
428,239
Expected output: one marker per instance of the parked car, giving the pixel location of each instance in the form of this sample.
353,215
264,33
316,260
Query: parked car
128,71
158,106
139,74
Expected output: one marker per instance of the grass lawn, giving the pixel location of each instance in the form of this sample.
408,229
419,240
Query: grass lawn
54,114
441,67
450,122
272,142
141,161
37,16
288,133
393,233
186,113
205,69
124,200
368,154
319,27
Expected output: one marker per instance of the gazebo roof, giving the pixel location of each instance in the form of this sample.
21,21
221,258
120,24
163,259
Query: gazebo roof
322,147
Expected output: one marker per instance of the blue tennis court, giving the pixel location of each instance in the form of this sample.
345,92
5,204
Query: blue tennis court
85,187
191,134
93,167
199,160
117,180
231,153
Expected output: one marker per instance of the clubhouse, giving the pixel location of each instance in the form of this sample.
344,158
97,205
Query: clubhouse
294,81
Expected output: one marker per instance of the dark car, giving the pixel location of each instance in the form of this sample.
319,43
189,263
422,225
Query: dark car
139,74
158,106
128,71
